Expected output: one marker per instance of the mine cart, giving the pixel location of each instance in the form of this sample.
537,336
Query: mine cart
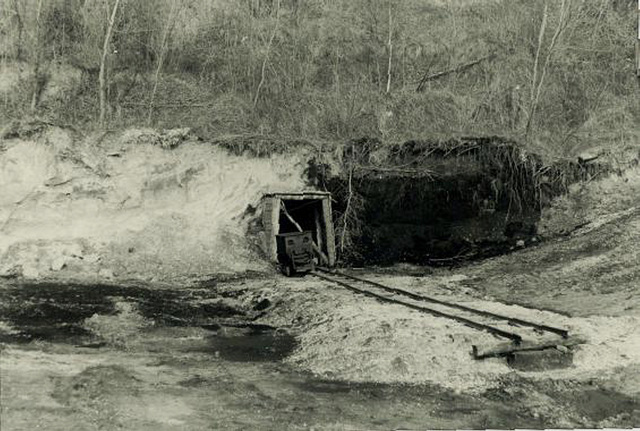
295,252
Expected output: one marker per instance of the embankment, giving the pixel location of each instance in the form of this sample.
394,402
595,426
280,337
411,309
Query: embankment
144,204
135,204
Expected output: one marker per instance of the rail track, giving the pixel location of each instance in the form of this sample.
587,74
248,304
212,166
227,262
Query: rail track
512,328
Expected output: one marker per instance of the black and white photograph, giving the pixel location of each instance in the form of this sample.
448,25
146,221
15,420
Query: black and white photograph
340,215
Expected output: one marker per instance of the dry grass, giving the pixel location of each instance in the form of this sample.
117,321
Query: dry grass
323,81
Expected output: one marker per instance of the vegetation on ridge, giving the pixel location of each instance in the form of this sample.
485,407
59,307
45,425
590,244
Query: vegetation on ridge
556,74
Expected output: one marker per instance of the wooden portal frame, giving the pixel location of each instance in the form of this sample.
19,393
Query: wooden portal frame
325,235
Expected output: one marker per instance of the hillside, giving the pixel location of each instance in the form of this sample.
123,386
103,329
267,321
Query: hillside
556,76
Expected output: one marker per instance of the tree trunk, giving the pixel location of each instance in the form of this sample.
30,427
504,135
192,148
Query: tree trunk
20,23
638,46
266,55
536,60
461,68
535,94
101,75
36,63
163,51
390,47
345,216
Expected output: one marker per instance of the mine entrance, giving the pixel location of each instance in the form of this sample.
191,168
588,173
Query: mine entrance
307,214
295,212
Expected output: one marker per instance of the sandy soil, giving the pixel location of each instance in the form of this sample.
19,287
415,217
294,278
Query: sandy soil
349,337
138,204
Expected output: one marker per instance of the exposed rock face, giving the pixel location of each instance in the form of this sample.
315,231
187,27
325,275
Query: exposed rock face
137,204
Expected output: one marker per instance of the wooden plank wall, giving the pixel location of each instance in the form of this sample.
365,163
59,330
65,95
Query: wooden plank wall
271,224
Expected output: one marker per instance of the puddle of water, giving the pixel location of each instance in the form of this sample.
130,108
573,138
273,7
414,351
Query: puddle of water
326,387
57,333
256,346
55,312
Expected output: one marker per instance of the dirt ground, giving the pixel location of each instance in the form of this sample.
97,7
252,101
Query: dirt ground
268,352
130,357
276,353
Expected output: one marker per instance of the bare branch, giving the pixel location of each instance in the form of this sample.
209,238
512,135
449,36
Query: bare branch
36,62
460,68
163,51
390,47
101,75
563,21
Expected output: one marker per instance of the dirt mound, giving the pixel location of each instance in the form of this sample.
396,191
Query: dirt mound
348,337
588,263
118,330
593,204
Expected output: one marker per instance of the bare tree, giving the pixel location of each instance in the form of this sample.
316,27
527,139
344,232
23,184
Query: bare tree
20,24
390,50
638,45
266,55
536,87
536,60
37,50
163,52
101,75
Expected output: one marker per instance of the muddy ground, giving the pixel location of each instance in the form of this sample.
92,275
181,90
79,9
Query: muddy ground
111,357
235,354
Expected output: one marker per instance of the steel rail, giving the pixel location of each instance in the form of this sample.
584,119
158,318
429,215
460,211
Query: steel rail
562,332
517,339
